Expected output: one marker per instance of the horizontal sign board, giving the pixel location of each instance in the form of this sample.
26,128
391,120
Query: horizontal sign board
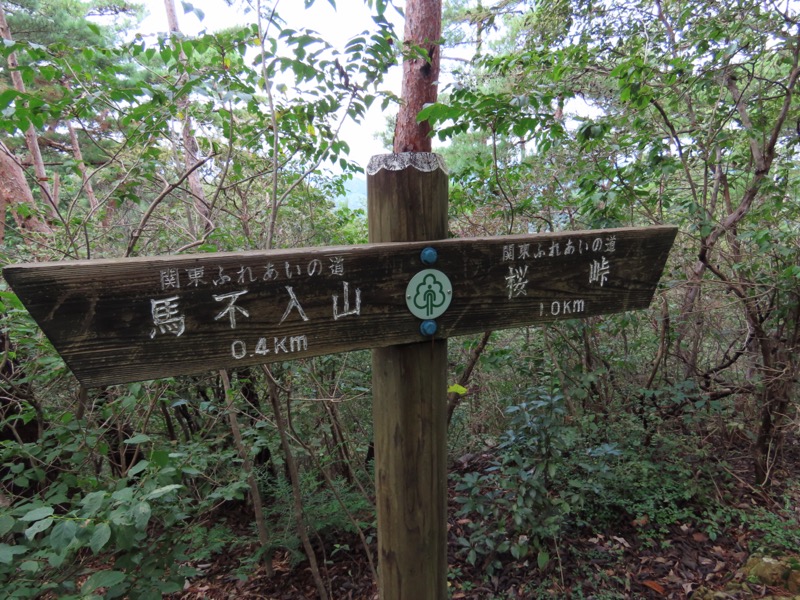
122,320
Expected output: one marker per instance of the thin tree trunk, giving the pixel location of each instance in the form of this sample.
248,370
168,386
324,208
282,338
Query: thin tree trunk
423,31
255,493
294,476
14,189
31,140
454,398
76,152
190,146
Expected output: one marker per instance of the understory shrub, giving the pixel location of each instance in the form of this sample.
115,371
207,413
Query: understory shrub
125,535
541,472
551,473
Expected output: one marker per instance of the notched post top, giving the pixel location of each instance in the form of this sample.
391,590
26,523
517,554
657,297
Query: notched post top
425,162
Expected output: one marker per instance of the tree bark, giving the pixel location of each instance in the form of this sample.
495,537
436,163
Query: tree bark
76,152
190,146
294,477
14,189
423,31
247,465
30,135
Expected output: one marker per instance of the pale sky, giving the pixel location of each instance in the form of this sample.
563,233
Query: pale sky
335,26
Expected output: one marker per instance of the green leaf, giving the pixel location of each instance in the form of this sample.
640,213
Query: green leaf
157,493
31,566
7,553
6,523
63,534
138,467
542,559
123,495
160,458
38,527
92,502
139,438
38,513
141,515
457,389
56,560
100,537
102,579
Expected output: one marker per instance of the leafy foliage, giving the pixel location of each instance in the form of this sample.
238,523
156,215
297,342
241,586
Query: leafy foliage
569,115
522,500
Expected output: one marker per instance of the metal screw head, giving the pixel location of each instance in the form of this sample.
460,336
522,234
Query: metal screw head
428,327
428,256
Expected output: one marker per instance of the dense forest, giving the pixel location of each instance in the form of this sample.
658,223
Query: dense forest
646,454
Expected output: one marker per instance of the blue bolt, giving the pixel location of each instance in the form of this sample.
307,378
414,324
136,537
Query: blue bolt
428,255
427,328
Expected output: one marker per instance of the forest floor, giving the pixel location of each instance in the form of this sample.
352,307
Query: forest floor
632,559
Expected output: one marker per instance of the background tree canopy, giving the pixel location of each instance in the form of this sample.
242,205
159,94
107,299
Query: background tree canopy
553,116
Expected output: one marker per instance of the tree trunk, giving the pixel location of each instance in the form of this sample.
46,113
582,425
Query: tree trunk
76,152
297,496
14,190
247,466
30,135
190,147
423,31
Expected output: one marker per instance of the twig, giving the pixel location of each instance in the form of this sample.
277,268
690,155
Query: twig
137,233
255,493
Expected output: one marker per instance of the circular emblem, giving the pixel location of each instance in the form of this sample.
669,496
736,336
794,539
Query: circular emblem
428,294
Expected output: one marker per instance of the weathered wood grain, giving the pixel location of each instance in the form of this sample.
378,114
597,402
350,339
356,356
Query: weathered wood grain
407,201
99,314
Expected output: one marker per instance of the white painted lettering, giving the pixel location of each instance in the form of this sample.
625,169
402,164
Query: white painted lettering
167,317
298,343
516,281
195,275
238,349
245,275
346,311
221,278
170,279
337,265
314,267
293,303
261,347
598,271
231,309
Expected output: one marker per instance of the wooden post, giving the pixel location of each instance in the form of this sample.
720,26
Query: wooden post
407,201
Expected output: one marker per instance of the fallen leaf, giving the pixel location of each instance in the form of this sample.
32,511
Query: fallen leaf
641,521
656,587
621,540
699,536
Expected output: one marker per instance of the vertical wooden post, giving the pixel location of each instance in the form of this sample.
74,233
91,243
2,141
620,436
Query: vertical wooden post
407,201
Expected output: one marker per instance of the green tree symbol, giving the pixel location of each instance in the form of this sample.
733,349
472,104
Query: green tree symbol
429,294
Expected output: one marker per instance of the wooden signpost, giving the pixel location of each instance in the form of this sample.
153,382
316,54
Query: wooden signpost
122,320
